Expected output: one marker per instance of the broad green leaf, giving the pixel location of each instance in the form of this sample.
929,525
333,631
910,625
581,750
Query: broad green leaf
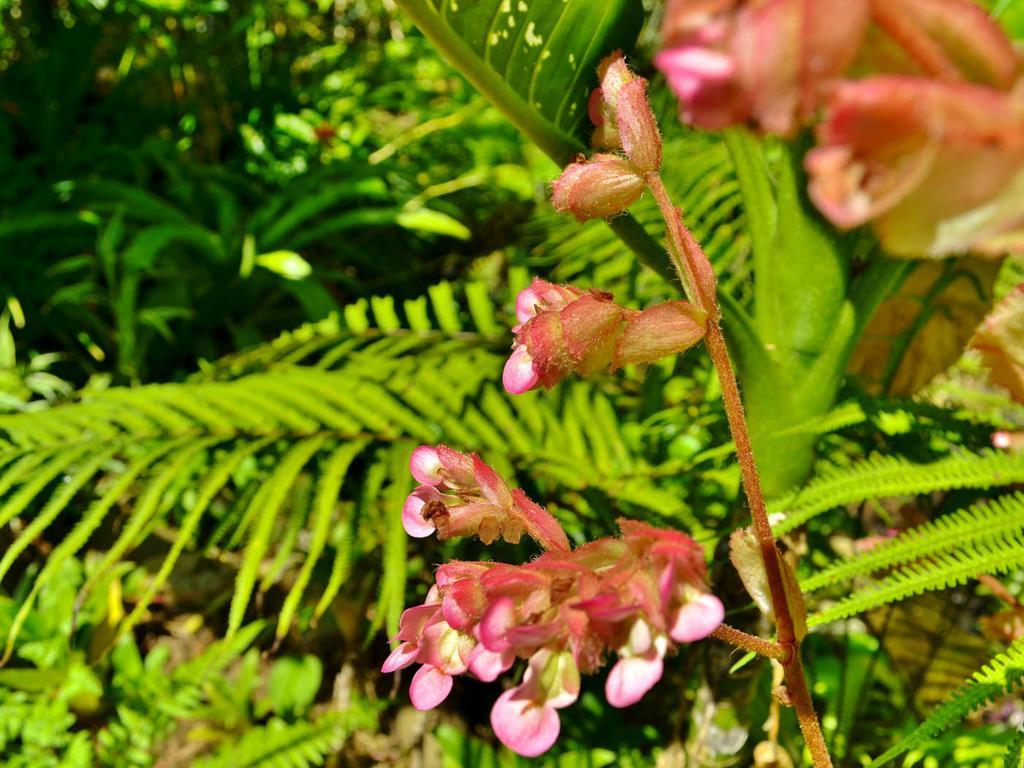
534,59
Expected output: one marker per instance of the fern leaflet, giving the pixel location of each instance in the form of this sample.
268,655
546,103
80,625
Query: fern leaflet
981,522
999,554
881,477
1003,675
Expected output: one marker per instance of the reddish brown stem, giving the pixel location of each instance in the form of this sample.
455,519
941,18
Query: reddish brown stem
694,271
760,646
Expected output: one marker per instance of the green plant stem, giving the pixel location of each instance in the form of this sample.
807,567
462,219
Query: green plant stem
691,263
758,645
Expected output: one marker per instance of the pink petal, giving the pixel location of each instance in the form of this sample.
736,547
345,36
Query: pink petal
412,511
416,619
630,679
697,619
487,665
496,622
526,304
401,657
520,374
425,465
527,728
430,686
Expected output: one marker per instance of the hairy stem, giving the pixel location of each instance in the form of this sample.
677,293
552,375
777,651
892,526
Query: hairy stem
695,272
758,645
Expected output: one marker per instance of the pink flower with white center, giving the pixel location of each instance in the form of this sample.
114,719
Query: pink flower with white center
525,718
565,611
575,331
639,667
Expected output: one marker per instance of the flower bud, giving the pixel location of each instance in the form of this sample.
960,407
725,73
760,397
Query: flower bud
605,185
659,331
622,115
591,333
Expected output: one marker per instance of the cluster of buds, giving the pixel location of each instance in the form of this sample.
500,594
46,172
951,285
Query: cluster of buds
565,330
636,596
611,181
929,145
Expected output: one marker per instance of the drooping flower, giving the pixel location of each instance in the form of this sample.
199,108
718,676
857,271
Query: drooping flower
937,167
636,596
1000,339
462,496
735,61
565,330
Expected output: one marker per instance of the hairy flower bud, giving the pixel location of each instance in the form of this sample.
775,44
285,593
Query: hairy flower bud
586,332
620,109
603,186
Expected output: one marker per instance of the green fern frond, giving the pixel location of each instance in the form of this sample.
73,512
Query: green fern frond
1000,553
981,522
291,745
1001,676
1015,753
257,448
882,477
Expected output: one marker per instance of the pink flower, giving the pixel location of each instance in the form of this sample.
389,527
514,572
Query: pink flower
565,611
525,717
937,167
950,40
585,332
733,61
466,497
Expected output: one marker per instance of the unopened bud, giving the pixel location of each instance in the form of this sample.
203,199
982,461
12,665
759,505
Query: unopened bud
664,329
605,185
622,115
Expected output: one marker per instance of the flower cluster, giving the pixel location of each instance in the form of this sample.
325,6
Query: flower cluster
929,145
635,596
565,330
611,181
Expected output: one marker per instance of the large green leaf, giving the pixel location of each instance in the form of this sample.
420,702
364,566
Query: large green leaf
535,60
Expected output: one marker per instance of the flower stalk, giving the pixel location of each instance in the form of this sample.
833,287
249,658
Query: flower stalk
691,262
